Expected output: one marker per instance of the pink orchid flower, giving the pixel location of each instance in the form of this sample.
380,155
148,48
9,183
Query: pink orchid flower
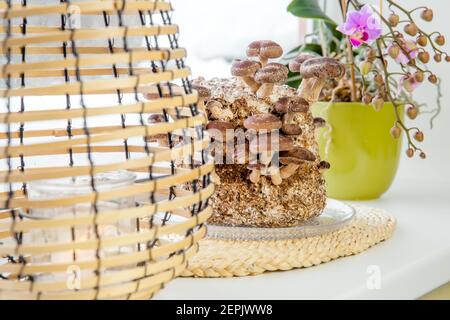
407,52
361,26
409,83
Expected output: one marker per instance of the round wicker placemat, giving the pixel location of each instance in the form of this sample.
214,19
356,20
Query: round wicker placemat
228,258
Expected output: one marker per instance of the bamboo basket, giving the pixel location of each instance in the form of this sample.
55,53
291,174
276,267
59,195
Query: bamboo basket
74,74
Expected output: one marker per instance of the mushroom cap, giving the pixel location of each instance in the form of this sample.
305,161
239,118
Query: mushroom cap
291,104
297,62
203,92
244,68
156,118
319,122
283,143
222,127
263,121
264,48
296,156
272,73
324,165
322,68
291,129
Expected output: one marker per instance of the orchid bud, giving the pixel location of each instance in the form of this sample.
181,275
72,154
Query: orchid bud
423,155
410,152
367,98
409,84
365,67
378,79
438,57
412,112
371,55
440,40
422,40
394,51
419,136
424,57
419,76
394,19
427,15
377,103
447,58
396,131
411,29
432,78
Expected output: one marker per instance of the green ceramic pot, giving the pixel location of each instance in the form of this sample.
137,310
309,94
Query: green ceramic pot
363,155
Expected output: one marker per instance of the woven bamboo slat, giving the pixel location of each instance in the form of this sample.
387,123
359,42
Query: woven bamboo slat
74,108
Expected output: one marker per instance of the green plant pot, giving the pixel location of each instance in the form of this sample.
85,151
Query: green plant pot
357,143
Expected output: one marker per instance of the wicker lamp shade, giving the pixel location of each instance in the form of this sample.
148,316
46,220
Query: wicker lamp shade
79,81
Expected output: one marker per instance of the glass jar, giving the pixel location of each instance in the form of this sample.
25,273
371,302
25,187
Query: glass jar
67,187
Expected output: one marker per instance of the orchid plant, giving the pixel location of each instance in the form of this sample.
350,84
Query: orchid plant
365,42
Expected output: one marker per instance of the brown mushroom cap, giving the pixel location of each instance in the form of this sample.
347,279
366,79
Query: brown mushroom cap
319,122
283,143
156,118
244,68
264,48
322,68
263,121
324,165
291,104
203,92
291,129
222,127
296,156
297,62
272,73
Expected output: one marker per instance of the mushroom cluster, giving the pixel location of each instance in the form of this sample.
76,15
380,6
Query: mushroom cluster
261,76
269,147
266,142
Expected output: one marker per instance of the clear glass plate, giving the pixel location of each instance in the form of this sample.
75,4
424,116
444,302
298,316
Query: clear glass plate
335,215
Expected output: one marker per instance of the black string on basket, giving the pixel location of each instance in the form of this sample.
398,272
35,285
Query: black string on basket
69,121
22,99
89,154
18,236
167,214
67,80
150,168
107,22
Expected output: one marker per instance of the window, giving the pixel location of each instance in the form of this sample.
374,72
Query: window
215,32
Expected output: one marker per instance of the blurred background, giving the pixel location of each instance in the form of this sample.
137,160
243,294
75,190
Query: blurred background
215,32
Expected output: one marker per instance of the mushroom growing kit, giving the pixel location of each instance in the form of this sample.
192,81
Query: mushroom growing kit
274,177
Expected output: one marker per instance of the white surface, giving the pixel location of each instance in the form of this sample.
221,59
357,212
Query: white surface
413,262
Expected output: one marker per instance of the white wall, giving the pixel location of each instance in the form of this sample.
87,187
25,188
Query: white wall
212,30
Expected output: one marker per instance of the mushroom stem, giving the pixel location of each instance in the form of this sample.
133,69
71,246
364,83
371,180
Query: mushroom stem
255,175
266,157
263,60
265,90
252,84
288,170
310,89
276,178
